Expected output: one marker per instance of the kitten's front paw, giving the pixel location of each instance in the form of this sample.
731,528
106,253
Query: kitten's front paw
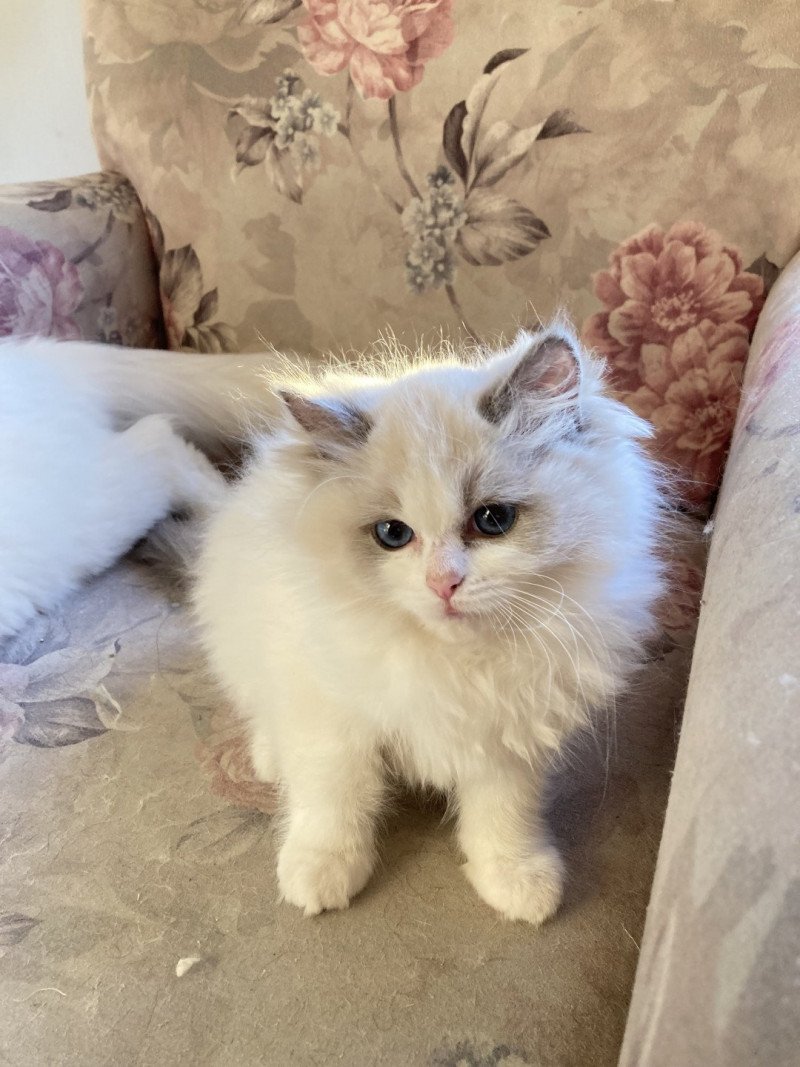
529,889
318,879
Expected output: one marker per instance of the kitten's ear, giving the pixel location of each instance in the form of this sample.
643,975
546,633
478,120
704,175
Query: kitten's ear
333,424
545,365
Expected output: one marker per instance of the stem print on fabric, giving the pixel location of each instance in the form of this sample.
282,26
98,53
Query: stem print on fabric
457,212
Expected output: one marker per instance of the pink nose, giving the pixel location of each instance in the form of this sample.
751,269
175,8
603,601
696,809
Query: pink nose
444,585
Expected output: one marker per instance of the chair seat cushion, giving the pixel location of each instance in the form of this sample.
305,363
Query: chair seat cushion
135,836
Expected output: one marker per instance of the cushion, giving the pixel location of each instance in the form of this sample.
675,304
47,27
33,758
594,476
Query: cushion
718,973
334,168
135,837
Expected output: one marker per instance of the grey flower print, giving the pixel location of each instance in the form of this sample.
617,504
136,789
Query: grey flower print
433,221
283,132
484,227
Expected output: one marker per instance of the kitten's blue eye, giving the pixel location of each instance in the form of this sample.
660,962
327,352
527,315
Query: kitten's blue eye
392,534
493,519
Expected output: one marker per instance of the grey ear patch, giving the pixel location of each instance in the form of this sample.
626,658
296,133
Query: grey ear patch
331,422
548,367
496,405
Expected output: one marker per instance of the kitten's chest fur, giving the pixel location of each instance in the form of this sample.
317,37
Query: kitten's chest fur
441,708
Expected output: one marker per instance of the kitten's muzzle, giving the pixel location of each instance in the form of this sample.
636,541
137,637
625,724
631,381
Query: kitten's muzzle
445,585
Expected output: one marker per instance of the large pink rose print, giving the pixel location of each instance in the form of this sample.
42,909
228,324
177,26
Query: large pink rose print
679,311
384,43
39,288
690,393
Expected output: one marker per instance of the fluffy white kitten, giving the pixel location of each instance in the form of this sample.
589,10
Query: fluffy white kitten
436,570
439,570
86,464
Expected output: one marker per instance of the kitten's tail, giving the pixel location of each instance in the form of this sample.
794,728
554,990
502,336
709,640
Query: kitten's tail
214,399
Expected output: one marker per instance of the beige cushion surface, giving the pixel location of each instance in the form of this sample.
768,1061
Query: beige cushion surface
134,836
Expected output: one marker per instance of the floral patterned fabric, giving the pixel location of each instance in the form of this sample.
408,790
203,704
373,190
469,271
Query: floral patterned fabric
76,262
383,46
135,835
314,172
718,975
330,169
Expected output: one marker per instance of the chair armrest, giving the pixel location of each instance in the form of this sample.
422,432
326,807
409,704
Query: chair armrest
718,974
77,262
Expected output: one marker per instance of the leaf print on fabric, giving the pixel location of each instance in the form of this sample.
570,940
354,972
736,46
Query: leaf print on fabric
767,271
56,699
95,192
187,309
265,12
498,230
559,124
222,836
15,927
60,200
67,670
283,132
385,44
486,227
481,159
56,723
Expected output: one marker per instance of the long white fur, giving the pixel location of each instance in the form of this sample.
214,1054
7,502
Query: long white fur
87,463
341,659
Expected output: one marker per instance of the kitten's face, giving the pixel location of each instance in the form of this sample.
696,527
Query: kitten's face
455,522
458,497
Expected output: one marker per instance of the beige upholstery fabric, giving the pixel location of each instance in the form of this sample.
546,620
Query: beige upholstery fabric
631,160
77,262
135,836
718,979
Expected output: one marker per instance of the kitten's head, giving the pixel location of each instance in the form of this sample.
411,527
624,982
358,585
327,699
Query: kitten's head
464,497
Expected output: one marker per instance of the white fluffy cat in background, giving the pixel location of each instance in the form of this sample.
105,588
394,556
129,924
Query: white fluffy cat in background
432,570
89,461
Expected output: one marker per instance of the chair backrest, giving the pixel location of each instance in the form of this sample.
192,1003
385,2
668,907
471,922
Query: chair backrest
317,172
